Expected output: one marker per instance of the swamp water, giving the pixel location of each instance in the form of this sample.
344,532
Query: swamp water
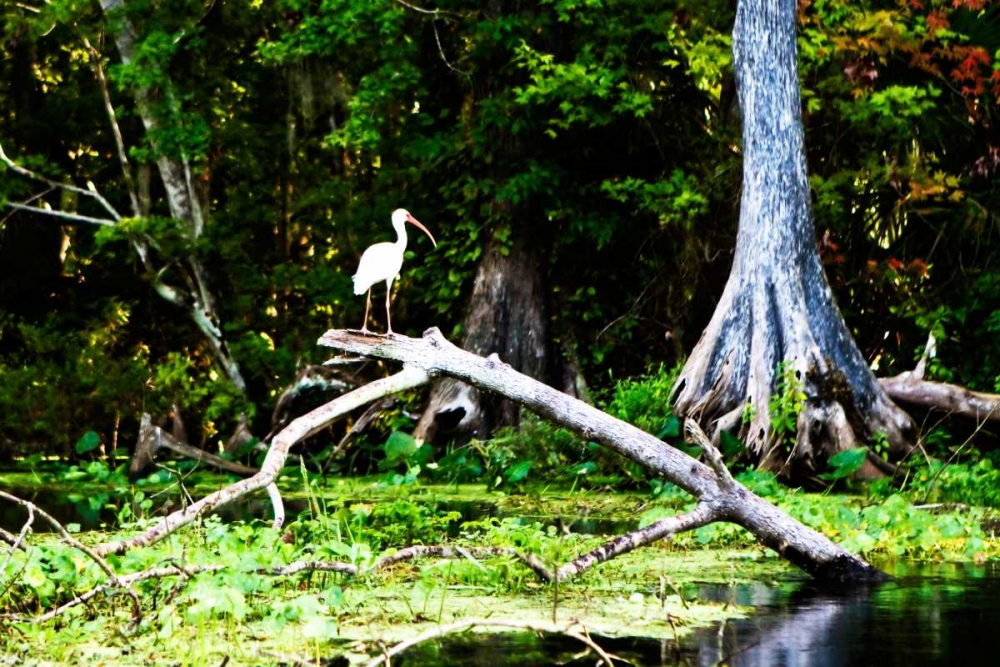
940,614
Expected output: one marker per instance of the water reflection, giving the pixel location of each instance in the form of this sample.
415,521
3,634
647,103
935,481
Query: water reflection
931,615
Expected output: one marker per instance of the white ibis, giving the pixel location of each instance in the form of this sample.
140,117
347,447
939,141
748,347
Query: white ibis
383,261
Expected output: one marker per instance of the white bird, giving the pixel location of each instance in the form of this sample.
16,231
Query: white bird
383,261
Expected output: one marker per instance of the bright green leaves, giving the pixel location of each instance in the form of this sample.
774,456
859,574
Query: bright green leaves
676,201
399,447
786,403
846,463
212,599
88,443
518,472
591,91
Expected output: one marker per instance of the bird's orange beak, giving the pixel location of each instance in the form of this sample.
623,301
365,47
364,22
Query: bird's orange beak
420,226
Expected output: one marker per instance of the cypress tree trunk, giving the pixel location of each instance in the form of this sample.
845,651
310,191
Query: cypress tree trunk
506,317
777,305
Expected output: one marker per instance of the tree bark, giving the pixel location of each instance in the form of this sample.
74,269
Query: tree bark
506,316
777,305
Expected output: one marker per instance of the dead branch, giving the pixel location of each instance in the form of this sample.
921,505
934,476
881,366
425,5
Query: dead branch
951,398
719,499
8,537
580,635
18,542
63,215
109,108
90,553
701,515
712,454
153,438
86,192
300,428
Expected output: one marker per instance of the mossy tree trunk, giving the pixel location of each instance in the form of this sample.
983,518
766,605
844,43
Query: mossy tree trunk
777,309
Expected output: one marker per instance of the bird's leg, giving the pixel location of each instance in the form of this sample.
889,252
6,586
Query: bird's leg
368,305
388,319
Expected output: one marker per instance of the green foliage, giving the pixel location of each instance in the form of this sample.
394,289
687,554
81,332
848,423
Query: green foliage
844,464
786,403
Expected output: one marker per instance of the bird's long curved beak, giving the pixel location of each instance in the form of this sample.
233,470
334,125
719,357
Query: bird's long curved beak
419,225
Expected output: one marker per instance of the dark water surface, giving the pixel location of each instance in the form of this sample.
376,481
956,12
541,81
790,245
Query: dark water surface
931,615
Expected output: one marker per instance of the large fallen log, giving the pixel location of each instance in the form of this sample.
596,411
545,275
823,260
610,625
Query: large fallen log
720,497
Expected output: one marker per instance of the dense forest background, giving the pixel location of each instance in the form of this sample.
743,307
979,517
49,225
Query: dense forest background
595,143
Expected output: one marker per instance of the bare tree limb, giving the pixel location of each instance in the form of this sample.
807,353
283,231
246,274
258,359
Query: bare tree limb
702,515
712,454
109,108
90,553
802,546
949,398
86,192
153,438
17,543
72,217
302,427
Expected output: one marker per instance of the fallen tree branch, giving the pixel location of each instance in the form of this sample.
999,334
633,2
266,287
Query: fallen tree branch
581,636
951,398
720,499
298,567
300,428
76,544
153,438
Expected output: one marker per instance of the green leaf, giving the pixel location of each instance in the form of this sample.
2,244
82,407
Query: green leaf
399,446
518,471
843,464
88,443
730,445
671,429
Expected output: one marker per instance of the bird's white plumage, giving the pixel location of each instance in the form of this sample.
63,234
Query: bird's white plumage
382,262
379,262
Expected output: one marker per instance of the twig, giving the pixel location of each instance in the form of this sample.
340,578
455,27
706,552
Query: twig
437,38
75,217
432,12
93,193
16,544
442,630
14,547
75,543
436,13
934,479
8,537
